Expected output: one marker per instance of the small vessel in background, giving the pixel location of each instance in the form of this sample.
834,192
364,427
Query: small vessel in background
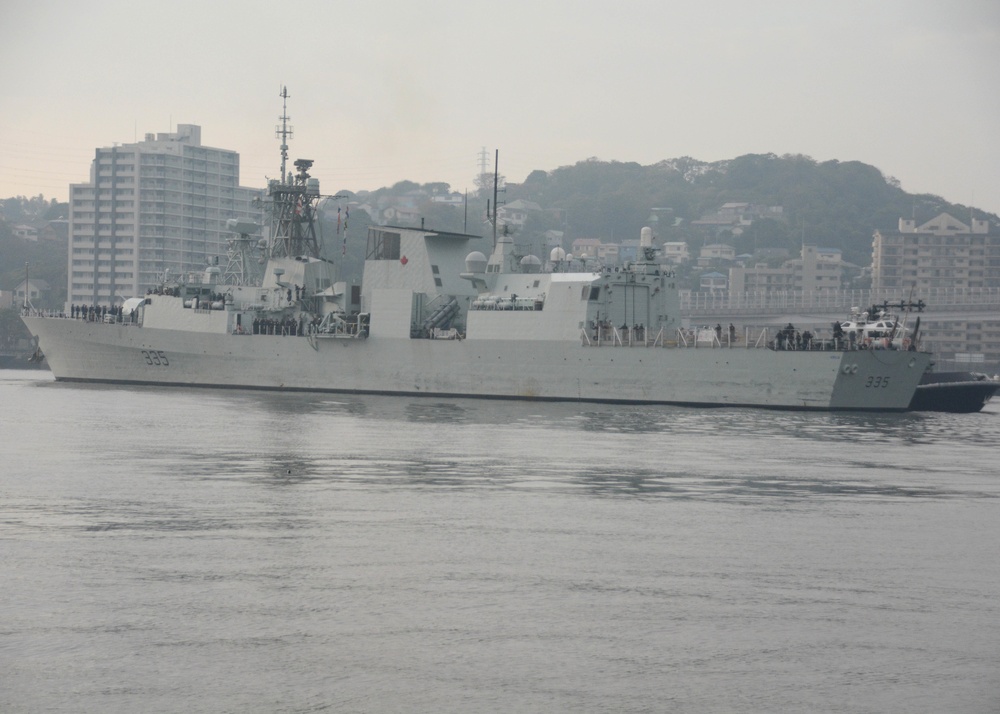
955,392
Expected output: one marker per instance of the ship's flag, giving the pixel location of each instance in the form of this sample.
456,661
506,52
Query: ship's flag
347,214
298,207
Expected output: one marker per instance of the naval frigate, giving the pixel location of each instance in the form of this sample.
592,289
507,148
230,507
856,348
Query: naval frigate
435,315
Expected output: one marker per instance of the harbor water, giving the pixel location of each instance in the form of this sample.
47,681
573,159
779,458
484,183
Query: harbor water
168,550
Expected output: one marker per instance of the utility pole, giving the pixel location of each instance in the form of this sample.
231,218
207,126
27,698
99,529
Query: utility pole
496,178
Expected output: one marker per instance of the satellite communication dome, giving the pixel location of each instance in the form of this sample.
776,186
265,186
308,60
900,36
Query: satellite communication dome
557,255
531,264
475,262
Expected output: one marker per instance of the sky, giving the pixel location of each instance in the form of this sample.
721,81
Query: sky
391,90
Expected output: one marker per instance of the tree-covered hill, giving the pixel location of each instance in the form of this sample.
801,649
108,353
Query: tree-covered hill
47,258
832,204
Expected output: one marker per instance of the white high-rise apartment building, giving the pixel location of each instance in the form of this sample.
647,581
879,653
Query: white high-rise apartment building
153,206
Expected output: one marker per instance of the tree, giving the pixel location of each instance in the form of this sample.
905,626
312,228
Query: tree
11,329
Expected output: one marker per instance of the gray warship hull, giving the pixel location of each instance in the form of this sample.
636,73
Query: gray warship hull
879,380
435,316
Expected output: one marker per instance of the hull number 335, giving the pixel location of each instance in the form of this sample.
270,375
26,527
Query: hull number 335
157,358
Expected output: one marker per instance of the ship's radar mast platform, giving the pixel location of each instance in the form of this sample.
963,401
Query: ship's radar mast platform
293,200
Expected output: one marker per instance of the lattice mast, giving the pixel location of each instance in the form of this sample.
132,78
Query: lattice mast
293,200
244,264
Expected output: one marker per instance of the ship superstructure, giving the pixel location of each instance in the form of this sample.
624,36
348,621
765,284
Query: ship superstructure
437,316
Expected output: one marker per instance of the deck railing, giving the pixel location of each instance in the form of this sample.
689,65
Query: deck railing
833,300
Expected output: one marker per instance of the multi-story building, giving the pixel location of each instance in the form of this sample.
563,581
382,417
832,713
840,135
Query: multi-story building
676,252
153,206
820,269
816,270
945,257
760,279
941,253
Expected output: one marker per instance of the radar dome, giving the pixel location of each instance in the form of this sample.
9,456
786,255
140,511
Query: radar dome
646,237
557,255
531,264
475,262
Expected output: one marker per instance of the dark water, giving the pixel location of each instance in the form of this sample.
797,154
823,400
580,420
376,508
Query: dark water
223,551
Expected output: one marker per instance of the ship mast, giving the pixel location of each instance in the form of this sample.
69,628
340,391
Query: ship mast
293,200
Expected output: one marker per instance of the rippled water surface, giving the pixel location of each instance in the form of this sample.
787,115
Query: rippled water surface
170,550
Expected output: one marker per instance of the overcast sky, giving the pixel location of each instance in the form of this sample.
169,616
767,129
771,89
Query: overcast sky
382,91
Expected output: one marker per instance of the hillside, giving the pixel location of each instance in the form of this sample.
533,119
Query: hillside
831,204
47,258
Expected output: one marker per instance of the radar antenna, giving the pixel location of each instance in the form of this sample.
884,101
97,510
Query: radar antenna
293,201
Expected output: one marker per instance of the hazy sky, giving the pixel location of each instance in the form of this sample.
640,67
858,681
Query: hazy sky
383,91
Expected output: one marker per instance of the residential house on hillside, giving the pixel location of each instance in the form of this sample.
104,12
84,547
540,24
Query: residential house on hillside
366,208
35,231
585,248
607,253
713,282
736,216
516,213
553,239
676,252
716,251
37,290
628,251
453,198
400,215
26,232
